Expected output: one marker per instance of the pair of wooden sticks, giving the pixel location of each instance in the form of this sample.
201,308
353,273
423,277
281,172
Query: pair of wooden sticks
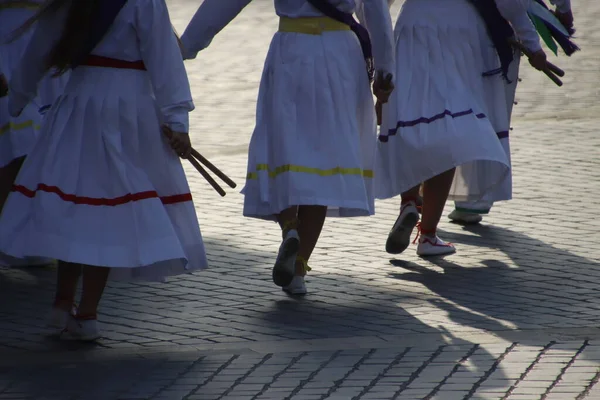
197,158
551,70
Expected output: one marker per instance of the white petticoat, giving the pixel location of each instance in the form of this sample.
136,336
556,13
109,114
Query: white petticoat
314,141
102,187
437,118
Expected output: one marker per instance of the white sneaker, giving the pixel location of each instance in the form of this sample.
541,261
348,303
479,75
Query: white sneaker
84,330
462,217
284,269
58,319
296,287
399,237
433,246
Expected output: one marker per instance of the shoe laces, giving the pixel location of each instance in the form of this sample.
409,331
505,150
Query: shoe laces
424,232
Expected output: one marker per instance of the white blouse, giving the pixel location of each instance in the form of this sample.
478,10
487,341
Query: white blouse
515,12
141,31
213,15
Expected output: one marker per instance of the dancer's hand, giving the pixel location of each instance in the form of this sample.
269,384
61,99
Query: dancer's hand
566,19
3,86
179,141
538,60
383,87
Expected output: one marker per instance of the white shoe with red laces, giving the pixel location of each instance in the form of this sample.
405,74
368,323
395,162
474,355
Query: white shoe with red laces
58,319
83,330
433,246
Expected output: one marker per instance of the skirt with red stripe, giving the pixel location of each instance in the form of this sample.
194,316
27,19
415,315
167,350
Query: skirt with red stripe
102,186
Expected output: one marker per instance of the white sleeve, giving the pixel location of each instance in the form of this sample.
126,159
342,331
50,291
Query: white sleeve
212,16
515,12
378,21
162,57
562,6
32,66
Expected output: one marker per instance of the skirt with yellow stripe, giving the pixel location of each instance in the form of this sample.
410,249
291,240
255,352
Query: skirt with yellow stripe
315,135
17,135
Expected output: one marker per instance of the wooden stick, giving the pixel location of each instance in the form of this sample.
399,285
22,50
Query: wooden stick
550,68
169,133
214,169
206,176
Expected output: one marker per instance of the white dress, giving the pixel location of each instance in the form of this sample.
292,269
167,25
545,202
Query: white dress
437,117
17,134
499,98
315,134
102,186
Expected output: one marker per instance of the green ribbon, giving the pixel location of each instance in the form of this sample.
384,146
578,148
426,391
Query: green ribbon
544,33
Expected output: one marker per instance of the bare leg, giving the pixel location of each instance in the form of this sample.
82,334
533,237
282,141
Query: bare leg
411,195
67,277
8,174
288,219
435,194
94,282
311,220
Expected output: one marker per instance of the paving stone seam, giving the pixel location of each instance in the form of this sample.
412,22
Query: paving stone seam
521,378
382,374
490,371
416,373
210,378
247,374
584,394
338,383
303,382
452,372
563,370
266,386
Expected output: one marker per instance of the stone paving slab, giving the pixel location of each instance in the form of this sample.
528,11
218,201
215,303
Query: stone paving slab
503,370
513,315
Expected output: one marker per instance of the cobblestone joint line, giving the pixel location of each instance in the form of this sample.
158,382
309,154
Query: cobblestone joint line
338,383
416,373
531,366
584,394
211,377
564,369
313,374
247,374
459,364
266,387
382,374
490,371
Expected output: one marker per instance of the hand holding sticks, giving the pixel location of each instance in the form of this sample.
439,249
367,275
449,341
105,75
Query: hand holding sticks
551,70
196,158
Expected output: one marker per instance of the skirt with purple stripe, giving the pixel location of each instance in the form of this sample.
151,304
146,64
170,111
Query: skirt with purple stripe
438,117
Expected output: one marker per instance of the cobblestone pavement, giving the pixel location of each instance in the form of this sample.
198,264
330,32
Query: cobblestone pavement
513,315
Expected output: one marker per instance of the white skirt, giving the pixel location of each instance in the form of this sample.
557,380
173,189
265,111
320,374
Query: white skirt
102,187
437,118
17,135
499,95
314,141
49,89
